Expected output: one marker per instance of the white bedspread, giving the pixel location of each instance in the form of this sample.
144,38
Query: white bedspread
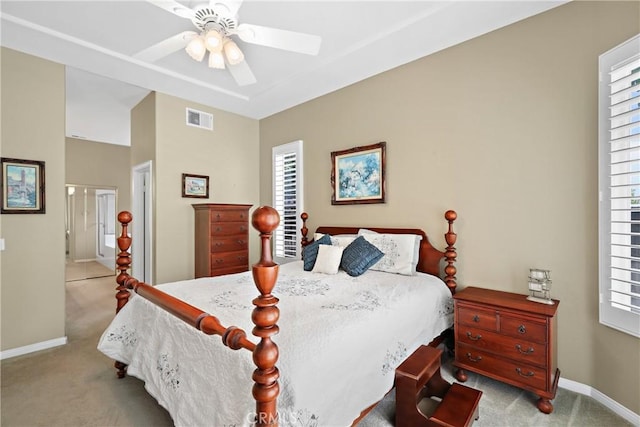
340,340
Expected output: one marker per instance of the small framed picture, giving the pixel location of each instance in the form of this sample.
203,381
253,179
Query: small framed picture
357,175
195,186
22,184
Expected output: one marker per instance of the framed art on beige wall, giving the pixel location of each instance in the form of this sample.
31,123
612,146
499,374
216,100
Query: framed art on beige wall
22,184
196,186
358,175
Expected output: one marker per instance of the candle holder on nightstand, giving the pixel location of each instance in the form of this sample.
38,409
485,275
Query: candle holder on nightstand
540,286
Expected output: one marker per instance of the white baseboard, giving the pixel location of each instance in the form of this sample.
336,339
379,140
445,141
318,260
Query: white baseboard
577,387
32,348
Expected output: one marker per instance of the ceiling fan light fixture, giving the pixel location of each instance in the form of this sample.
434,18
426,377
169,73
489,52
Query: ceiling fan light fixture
213,41
232,52
196,48
216,60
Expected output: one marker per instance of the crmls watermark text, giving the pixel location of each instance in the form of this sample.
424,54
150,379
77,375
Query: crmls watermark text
282,418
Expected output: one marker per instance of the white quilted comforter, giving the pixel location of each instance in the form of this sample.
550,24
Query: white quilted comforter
340,340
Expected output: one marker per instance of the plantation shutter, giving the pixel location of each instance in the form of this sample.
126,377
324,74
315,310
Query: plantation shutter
620,187
287,174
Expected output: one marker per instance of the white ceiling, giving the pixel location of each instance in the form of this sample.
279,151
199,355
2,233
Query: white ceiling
97,41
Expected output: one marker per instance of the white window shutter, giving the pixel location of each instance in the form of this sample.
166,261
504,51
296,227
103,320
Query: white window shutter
287,200
619,163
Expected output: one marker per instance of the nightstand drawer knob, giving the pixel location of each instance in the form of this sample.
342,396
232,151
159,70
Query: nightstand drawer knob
476,318
528,374
472,338
522,329
475,359
528,351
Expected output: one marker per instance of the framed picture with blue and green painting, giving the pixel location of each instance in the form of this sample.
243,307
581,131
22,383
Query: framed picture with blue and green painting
22,183
358,175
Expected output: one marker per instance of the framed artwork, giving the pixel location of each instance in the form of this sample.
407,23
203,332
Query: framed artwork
357,175
22,184
195,186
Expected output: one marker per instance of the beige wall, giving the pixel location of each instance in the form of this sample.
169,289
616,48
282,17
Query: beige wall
100,165
143,130
503,129
33,128
229,155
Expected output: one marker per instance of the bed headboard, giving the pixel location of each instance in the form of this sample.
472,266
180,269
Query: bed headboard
430,257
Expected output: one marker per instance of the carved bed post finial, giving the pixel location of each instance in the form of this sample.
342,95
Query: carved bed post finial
304,230
265,316
124,263
450,254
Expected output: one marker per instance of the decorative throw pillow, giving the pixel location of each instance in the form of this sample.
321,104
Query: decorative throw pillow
401,251
328,260
310,252
359,256
338,239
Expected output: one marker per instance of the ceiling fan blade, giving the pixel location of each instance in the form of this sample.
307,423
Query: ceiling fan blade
173,7
280,39
165,47
227,8
241,73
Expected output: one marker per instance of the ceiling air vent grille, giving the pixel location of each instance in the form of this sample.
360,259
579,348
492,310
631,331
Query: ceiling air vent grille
199,119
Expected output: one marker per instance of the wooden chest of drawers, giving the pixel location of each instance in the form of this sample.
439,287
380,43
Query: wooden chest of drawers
221,239
506,337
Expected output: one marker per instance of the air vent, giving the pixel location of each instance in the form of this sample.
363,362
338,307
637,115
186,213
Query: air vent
199,119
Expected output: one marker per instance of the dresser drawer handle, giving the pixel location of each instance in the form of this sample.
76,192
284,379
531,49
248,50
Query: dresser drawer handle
219,261
242,228
476,318
472,338
218,216
240,242
522,329
528,351
474,359
218,244
528,374
218,228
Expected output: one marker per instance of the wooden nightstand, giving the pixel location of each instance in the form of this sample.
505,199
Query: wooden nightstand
506,337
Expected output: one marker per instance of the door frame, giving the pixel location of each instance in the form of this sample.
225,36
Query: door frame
142,224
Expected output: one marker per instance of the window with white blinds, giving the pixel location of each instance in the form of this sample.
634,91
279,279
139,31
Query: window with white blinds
619,163
287,200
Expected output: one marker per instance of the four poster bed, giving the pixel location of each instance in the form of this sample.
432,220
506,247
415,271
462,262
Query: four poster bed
340,336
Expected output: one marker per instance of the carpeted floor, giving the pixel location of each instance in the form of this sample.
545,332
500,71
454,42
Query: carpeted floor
75,385
87,270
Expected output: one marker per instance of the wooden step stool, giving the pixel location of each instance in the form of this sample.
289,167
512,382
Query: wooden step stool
418,377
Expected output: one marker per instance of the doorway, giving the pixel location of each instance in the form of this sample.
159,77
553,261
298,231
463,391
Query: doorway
142,231
90,224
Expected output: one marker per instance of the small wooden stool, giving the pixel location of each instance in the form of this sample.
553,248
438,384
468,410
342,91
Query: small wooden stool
418,377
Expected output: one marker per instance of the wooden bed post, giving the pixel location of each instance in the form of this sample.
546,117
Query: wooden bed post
265,316
304,230
124,263
450,254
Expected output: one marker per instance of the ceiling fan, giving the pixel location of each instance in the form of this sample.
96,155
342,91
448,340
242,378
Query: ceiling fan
216,22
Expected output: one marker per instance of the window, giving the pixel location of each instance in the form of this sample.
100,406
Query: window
619,181
287,200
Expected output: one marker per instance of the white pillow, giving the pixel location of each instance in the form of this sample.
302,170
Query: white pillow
342,240
328,260
401,251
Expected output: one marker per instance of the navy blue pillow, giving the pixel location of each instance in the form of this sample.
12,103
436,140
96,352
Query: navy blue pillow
359,256
310,252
